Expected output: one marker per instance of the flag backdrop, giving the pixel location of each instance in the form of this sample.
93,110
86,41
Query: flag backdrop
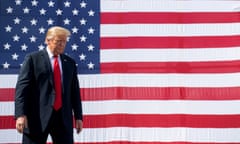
150,71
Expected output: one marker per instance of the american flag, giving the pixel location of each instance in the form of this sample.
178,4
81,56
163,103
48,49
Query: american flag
150,71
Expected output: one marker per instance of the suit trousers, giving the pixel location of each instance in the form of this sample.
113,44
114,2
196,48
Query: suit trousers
55,128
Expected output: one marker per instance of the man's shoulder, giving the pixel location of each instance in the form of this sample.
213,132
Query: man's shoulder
35,54
68,58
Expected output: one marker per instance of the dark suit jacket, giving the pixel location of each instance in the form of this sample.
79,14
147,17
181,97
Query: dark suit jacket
35,92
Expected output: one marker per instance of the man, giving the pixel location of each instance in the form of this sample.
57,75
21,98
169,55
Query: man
47,93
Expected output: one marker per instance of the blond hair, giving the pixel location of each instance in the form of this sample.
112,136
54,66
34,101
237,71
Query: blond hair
57,31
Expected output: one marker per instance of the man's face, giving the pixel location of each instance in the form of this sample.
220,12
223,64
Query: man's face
57,44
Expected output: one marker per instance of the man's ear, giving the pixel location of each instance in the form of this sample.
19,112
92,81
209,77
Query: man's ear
47,41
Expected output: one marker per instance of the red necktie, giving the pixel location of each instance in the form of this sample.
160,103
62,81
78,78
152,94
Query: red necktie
57,84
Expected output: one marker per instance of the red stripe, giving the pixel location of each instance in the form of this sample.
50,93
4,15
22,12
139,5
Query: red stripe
128,142
157,93
7,94
178,120
171,67
7,122
150,93
169,17
149,120
170,42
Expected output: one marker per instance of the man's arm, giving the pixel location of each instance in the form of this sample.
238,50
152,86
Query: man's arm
23,87
76,98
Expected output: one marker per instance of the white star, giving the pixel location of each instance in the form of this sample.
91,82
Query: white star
83,4
6,65
91,30
74,30
17,20
34,3
83,38
24,47
15,56
16,38
7,46
9,10
51,4
74,47
42,11
59,12
67,4
41,30
75,11
18,2
90,65
66,21
91,13
83,21
26,10
8,28
90,47
33,38
33,22
24,30
50,21
41,47
82,57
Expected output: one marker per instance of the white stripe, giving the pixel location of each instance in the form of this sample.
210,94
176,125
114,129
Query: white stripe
154,30
169,6
161,107
149,107
6,108
8,81
160,80
152,80
229,135
170,55
160,135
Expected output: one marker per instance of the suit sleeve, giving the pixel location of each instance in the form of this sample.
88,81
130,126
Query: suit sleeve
76,99
23,87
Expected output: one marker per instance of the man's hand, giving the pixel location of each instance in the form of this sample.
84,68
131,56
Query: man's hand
21,123
79,126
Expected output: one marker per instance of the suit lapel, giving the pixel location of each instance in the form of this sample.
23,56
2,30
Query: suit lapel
64,64
47,63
